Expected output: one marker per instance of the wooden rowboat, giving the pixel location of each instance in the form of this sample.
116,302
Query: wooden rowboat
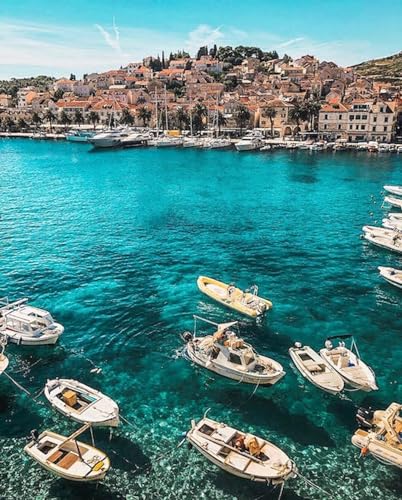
241,454
246,302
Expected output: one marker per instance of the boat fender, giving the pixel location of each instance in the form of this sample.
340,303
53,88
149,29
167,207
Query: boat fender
34,436
365,451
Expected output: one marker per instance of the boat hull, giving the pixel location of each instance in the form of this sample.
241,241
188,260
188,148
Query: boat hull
27,340
382,243
239,376
385,272
377,449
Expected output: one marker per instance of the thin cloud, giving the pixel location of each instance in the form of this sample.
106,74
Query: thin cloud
203,35
112,41
290,42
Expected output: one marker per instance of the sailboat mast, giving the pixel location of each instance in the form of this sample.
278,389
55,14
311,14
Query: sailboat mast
191,116
166,113
156,113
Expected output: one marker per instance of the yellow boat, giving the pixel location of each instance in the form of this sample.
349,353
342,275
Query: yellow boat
246,302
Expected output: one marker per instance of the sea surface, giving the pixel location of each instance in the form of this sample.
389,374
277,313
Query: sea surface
112,244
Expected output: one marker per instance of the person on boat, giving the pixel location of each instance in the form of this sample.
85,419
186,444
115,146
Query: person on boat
231,289
239,443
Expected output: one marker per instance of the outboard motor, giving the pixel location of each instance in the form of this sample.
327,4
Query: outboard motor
187,337
34,435
328,345
364,418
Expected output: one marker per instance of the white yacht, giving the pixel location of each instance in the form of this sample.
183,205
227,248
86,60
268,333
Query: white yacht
108,139
193,142
250,142
23,324
79,135
230,356
218,143
164,141
135,139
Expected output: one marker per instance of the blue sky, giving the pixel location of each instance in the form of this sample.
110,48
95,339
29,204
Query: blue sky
57,38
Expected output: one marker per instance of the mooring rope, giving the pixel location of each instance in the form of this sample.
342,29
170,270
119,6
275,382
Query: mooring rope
18,385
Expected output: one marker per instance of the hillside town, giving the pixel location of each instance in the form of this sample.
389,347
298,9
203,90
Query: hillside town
228,89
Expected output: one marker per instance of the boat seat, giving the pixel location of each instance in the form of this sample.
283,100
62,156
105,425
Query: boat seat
68,460
56,456
313,367
237,461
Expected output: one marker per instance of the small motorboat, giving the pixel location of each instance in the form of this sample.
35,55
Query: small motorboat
393,224
241,454
395,202
392,275
246,302
397,190
315,369
218,143
23,324
68,458
348,364
250,142
228,355
79,136
379,434
3,358
394,243
82,403
380,231
395,216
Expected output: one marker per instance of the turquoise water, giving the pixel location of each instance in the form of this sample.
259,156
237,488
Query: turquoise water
112,243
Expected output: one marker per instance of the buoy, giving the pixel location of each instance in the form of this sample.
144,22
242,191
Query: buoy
365,451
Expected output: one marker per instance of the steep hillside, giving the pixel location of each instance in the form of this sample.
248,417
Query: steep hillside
387,68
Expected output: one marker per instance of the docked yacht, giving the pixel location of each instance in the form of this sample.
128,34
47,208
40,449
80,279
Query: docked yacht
379,434
193,142
68,458
3,357
23,324
395,202
135,139
218,144
397,190
348,364
81,403
108,139
228,355
250,142
392,275
166,141
315,369
247,302
79,135
241,454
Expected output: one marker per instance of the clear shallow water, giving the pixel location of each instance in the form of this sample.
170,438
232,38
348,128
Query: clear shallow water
112,243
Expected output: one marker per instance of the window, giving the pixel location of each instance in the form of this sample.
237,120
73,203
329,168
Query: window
375,119
351,117
374,128
325,127
357,127
357,117
350,127
385,129
234,358
325,117
340,117
364,117
363,127
386,119
339,127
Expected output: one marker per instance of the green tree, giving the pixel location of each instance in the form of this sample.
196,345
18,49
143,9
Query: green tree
242,118
64,118
50,117
93,118
221,121
271,114
72,77
78,117
126,117
36,119
58,95
312,107
21,124
182,118
202,51
9,123
145,115
199,112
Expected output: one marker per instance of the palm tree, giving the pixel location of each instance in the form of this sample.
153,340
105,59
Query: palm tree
313,107
182,118
270,113
21,124
242,118
221,121
8,123
126,117
199,112
298,113
64,118
145,115
78,117
36,119
93,118
50,117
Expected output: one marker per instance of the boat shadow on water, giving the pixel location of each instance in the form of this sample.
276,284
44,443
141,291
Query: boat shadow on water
256,409
67,490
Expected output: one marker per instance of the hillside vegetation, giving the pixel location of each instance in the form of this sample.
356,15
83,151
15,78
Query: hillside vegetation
385,69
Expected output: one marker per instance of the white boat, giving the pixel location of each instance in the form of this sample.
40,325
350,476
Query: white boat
395,202
166,142
395,216
68,458
193,142
241,454
381,231
348,364
135,139
379,434
23,324
79,135
82,403
228,355
250,142
3,358
268,147
318,146
394,244
392,275
394,190
107,139
372,147
315,369
218,144
393,224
